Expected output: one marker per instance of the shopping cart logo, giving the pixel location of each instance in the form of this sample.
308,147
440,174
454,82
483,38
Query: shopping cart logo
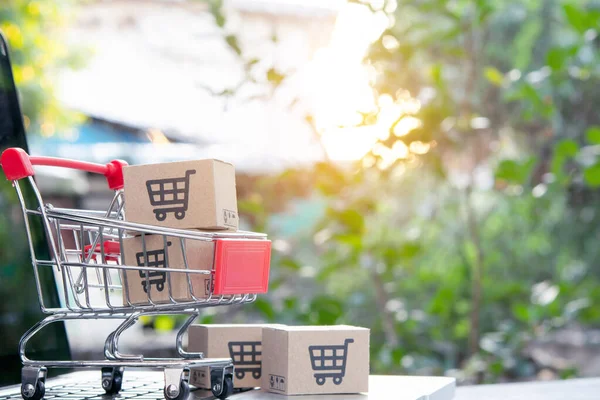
247,358
170,195
329,361
277,382
153,259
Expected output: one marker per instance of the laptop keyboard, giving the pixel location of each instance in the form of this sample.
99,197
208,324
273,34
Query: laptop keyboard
140,387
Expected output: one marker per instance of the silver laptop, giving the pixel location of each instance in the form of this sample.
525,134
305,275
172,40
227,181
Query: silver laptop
19,307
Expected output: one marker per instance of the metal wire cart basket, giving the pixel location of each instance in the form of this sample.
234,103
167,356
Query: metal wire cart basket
87,257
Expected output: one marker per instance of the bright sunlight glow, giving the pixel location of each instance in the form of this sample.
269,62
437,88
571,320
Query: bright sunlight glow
343,94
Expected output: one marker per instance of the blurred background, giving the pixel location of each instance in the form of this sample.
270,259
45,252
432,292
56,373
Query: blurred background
426,168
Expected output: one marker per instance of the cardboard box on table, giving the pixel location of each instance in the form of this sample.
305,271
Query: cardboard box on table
315,359
242,343
199,254
188,194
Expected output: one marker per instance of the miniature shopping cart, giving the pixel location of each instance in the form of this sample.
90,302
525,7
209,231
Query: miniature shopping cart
90,269
329,361
247,358
170,195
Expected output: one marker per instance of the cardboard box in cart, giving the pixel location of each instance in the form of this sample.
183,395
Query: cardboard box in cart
236,266
189,194
315,359
199,254
241,343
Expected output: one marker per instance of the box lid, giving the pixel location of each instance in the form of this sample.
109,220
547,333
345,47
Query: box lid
236,325
318,328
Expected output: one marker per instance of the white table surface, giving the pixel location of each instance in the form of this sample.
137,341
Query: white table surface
395,387
380,387
573,389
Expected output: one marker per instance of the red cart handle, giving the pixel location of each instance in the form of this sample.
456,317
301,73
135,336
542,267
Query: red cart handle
17,164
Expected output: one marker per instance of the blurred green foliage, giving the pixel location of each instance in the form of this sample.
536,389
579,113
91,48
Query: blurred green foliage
38,52
481,236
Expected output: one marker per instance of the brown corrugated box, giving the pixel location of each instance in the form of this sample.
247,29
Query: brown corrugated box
199,256
188,194
241,343
315,359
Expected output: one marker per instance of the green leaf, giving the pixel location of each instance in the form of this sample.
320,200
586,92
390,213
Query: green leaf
351,219
439,303
593,134
232,41
461,328
563,151
524,42
515,172
252,62
435,71
325,310
556,59
265,308
521,312
206,319
164,323
352,240
494,76
275,77
409,250
216,9
566,148
592,175
576,17
290,264
508,170
397,355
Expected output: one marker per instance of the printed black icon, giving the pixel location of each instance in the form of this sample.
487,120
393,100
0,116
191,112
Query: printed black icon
154,259
277,382
197,374
247,358
170,195
331,360
229,217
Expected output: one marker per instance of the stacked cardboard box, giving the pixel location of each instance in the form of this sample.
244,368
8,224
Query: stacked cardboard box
187,195
195,195
289,360
315,359
140,285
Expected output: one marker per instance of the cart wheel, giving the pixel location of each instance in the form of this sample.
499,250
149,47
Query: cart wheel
179,214
113,386
240,374
256,374
337,380
184,392
227,388
161,216
320,380
28,392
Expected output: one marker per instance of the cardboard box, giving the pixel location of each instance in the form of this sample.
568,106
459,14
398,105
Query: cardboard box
241,343
315,359
199,256
188,194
